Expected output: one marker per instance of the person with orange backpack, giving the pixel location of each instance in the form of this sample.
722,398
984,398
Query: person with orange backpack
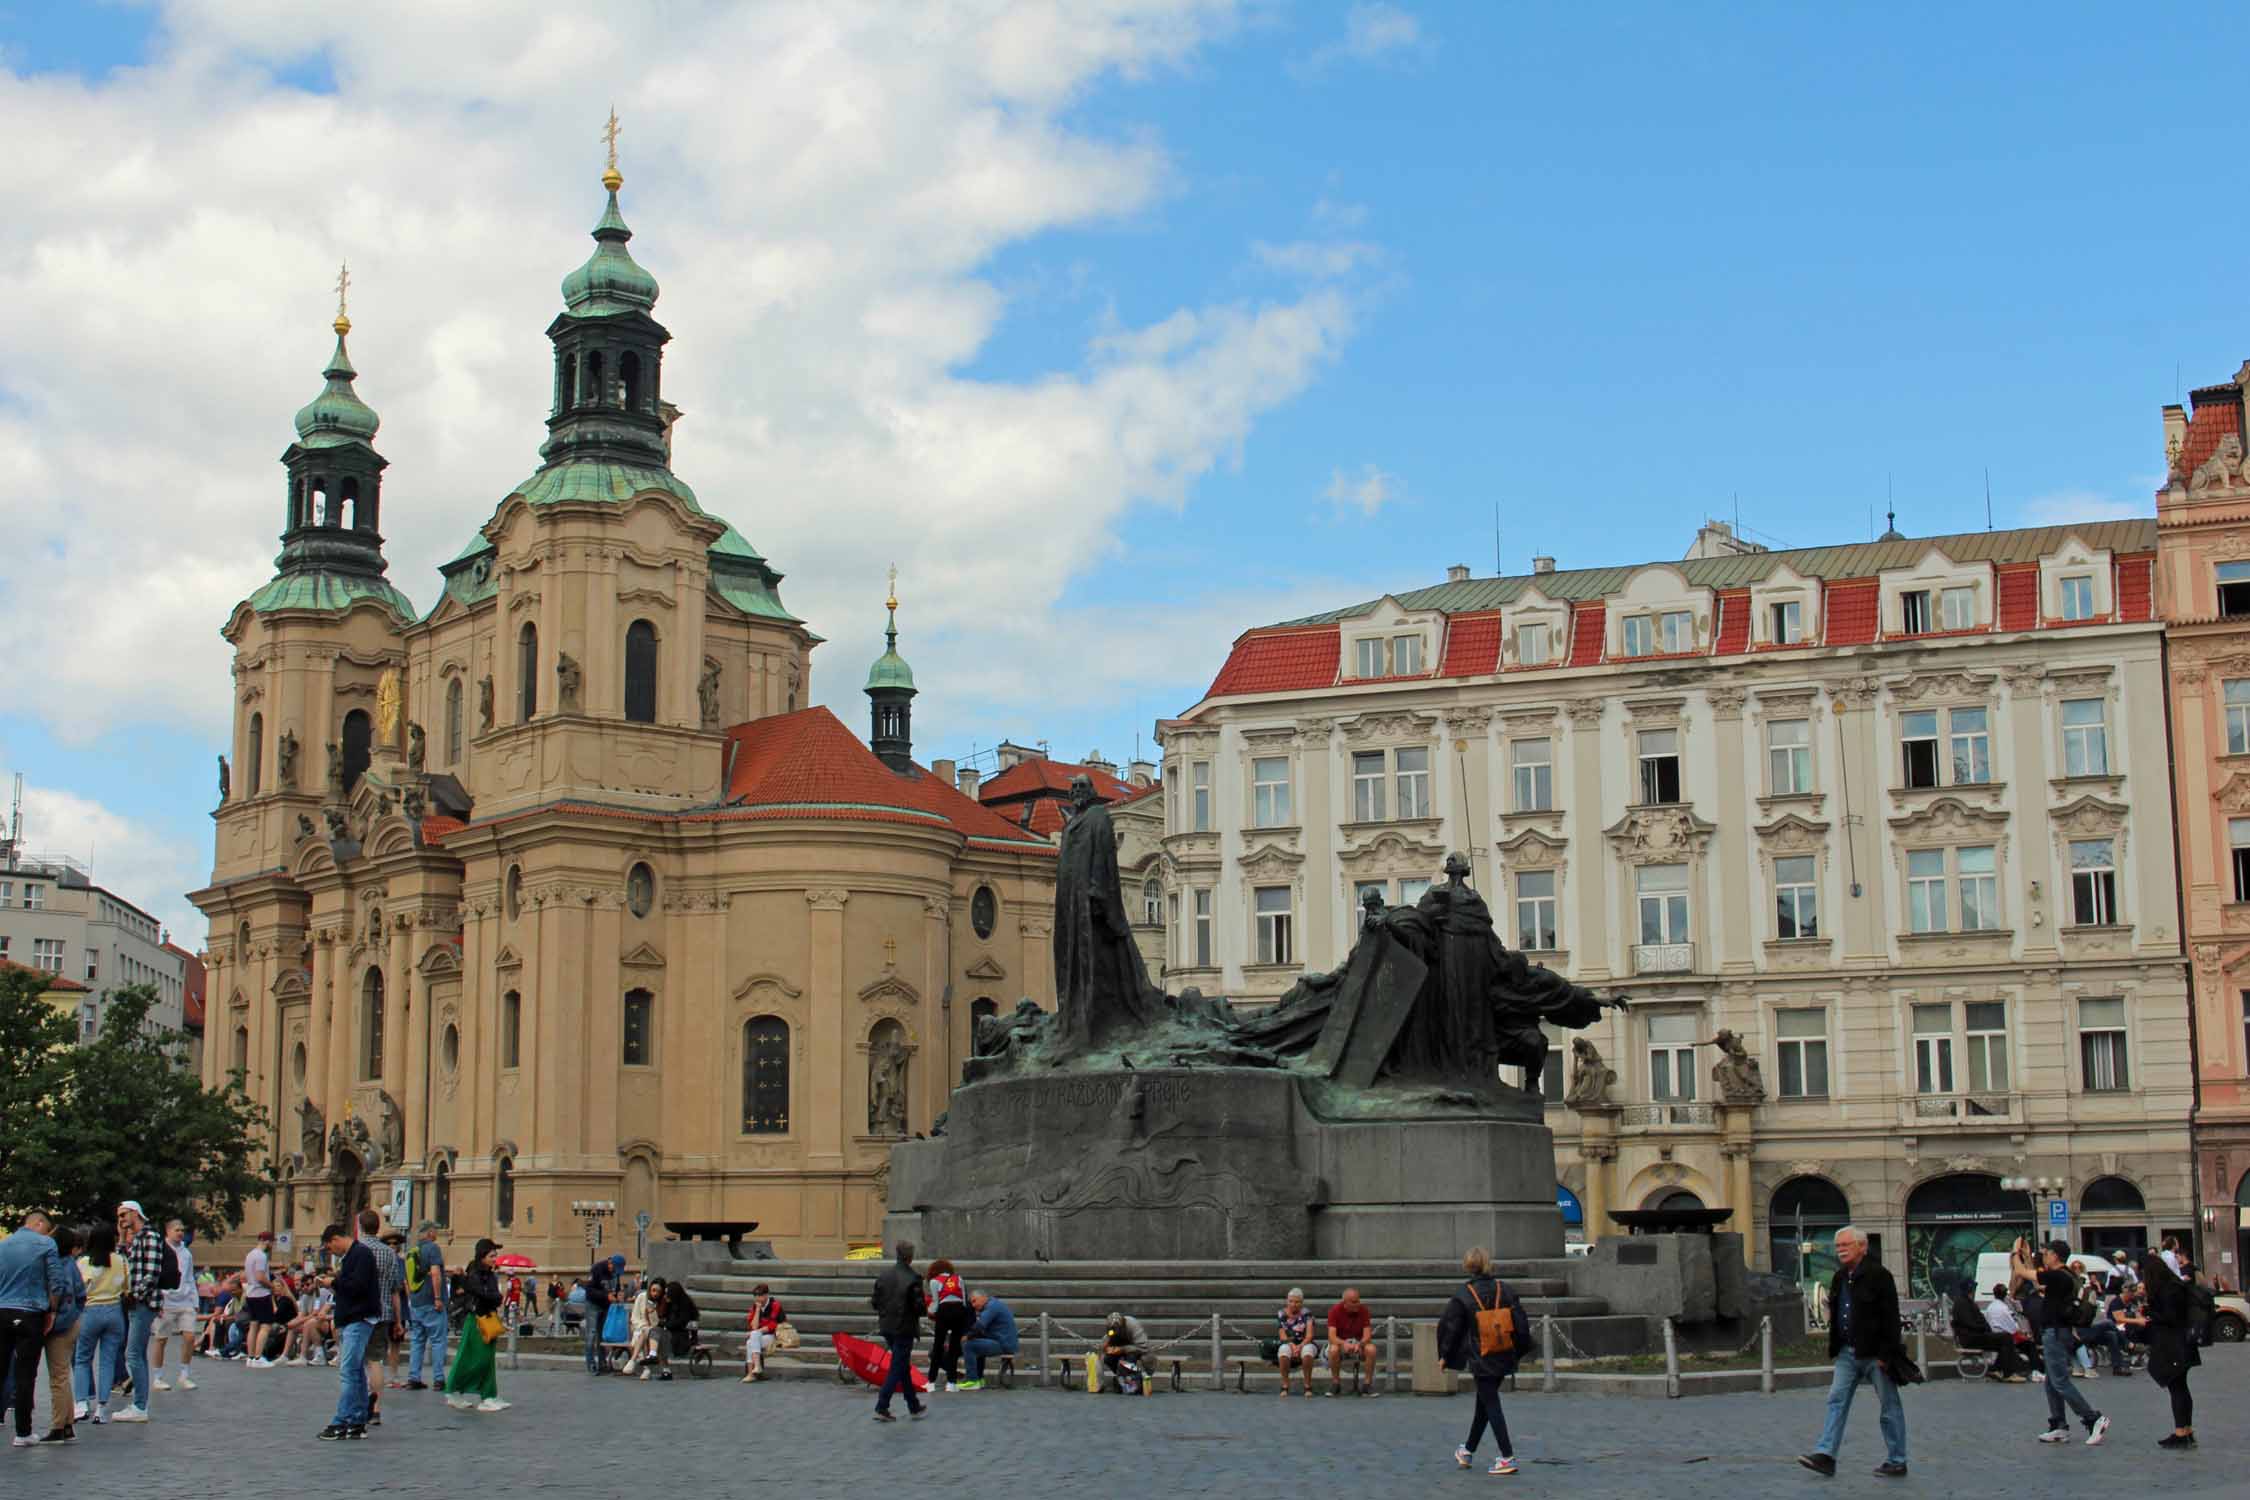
1484,1331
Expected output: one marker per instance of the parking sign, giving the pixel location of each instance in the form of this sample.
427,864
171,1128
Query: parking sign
2058,1213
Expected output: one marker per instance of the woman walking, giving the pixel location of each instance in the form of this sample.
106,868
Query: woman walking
475,1374
2171,1344
101,1327
1482,1331
949,1323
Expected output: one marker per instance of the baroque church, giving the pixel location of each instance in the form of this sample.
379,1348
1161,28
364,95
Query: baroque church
560,904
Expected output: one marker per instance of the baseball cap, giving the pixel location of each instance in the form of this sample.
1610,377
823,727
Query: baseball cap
427,1226
134,1205
264,1235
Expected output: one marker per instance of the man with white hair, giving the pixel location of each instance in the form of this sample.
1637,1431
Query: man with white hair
1863,1331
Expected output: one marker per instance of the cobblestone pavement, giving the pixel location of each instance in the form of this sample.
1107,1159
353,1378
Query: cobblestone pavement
247,1431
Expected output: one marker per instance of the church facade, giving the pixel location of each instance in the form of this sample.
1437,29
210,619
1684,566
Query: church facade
557,903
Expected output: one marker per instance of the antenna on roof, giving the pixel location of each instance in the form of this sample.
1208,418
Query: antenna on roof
1988,497
1499,570
1738,512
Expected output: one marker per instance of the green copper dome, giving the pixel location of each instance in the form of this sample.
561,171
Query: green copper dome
337,415
610,281
890,669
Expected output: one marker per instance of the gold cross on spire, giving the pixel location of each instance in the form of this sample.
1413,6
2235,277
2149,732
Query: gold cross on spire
892,602
343,293
611,177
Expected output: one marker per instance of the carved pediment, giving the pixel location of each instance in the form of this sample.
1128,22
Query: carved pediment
1271,862
892,989
1659,835
1389,849
1790,834
643,957
986,967
771,983
2081,682
1369,728
508,958
2234,797
294,984
440,959
1948,818
1533,849
1269,740
2090,815
1942,687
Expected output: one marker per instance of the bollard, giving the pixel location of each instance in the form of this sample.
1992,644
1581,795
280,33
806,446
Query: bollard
1671,1361
1765,1356
1218,1357
513,1362
1390,1348
1547,1380
1046,1354
1922,1345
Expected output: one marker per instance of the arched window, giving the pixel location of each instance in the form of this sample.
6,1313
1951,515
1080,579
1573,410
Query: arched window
371,1025
323,505
527,672
593,386
640,672
1152,902
241,1063
453,722
297,1065
1678,1198
566,388
511,1030
504,1194
639,1045
359,741
253,763
629,381
513,890
1816,1199
2112,1195
983,1008
441,1196
640,890
765,1076
348,503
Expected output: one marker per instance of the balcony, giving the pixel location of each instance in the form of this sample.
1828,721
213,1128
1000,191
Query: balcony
1968,1110
1665,1116
1664,958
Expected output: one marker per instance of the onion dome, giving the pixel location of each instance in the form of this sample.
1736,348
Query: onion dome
337,415
610,281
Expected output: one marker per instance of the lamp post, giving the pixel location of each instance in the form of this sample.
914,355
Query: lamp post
2035,1189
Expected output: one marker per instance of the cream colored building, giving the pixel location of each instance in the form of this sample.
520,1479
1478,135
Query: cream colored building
1896,814
557,901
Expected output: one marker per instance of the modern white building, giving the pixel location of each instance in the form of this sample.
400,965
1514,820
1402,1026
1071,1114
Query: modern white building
54,917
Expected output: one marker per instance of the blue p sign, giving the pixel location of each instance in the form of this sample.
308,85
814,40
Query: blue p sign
2058,1212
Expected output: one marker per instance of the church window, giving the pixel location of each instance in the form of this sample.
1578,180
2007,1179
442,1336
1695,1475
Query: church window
629,381
297,1065
371,1024
1152,903
504,1194
359,741
348,502
984,911
453,722
527,672
511,1030
320,501
566,391
449,1048
765,1076
515,892
253,761
983,1008
241,1062
639,1046
640,890
640,672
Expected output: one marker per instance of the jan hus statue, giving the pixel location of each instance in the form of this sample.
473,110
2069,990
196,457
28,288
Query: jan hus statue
1102,989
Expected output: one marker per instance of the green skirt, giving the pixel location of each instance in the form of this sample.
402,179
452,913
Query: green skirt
474,1371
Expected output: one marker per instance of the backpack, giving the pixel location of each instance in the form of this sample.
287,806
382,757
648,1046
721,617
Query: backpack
168,1274
2081,1314
1496,1325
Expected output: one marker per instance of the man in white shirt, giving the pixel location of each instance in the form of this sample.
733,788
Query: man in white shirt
177,1311
1998,1316
257,1300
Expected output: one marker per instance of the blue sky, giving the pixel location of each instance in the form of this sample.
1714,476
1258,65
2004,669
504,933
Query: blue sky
1609,270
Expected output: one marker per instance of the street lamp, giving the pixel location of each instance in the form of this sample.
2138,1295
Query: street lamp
2035,1188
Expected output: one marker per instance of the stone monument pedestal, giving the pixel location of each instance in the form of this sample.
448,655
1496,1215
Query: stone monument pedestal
1221,1164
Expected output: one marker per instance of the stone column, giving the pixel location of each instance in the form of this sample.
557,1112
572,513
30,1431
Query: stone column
317,1002
1735,1145
2034,845
830,1058
416,1040
1732,935
1588,899
945,1023
398,993
1597,1147
344,1006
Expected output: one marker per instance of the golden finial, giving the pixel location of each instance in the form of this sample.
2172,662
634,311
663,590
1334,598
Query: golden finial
343,292
892,602
611,177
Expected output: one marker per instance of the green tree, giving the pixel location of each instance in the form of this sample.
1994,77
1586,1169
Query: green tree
134,1122
35,1043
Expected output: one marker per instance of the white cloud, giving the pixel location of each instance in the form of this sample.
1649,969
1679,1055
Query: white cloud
818,188
1373,30
1367,492
1316,260
2071,507
125,856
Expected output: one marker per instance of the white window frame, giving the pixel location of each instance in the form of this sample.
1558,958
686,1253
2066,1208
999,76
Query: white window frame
1651,747
1370,781
1977,892
1206,951
1644,628
1531,765
1406,655
1974,743
1989,1068
2093,882
2233,580
1275,923
2075,592
1933,1048
1789,760
1370,655
2238,853
2235,695
1662,905
1909,723
1928,903
1537,912
1412,888
1796,897
1675,632
34,895
2085,741
2106,1067
47,953
1414,786
1201,806
1534,644
1957,607
1671,1058
1804,1048
1914,611
1270,794
1785,622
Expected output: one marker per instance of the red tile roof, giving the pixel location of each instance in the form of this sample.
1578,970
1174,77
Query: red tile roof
807,764
436,826
1028,778
1853,607
2135,586
1281,661
54,981
1734,622
2218,411
2019,596
1472,645
1587,622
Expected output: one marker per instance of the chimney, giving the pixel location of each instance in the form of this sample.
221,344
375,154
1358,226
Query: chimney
966,779
1094,761
1542,565
1458,573
943,770
1141,773
2175,437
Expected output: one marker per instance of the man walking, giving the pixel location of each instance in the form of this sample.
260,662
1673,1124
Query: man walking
31,1291
177,1313
2058,1294
145,1257
257,1302
358,1290
899,1304
1863,1329
425,1308
389,1323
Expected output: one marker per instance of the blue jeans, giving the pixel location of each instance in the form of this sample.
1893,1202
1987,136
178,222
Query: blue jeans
138,1323
101,1330
596,1315
2055,1345
980,1350
351,1373
1852,1371
426,1335
900,1377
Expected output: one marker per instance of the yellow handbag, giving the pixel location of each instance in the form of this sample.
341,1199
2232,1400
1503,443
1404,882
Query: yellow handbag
489,1325
785,1336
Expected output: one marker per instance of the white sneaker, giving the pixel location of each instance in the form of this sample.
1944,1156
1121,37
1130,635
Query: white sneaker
492,1403
130,1414
260,1363
183,1382
2101,1430
460,1402
2055,1435
161,1383
78,1412
1461,1457
23,1442
297,1359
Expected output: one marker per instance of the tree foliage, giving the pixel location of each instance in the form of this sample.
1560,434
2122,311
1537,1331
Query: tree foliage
122,1116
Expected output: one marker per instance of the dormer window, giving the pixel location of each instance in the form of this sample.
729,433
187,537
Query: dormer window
1534,645
2234,590
1369,651
1958,608
1786,621
2078,597
1676,628
1406,655
1395,656
1640,635
1914,612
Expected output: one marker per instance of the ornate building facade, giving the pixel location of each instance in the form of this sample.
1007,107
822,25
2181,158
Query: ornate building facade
557,903
1881,831
2203,593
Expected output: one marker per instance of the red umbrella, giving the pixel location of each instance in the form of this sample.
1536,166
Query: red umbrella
513,1262
870,1361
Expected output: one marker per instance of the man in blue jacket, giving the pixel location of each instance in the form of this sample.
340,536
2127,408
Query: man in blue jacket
358,1290
993,1332
31,1292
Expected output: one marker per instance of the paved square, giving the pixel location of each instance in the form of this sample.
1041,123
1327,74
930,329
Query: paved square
571,1435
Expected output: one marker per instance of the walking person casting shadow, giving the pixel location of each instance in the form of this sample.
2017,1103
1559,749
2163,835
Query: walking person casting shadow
1482,1331
1865,1340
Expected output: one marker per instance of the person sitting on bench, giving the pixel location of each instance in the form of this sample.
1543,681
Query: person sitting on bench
993,1332
1350,1337
1124,1341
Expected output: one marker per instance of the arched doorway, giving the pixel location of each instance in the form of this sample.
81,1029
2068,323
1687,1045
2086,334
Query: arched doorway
1952,1220
1801,1224
1573,1214
639,1198
2112,1215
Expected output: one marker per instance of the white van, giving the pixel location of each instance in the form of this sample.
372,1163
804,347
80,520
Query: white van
1992,1270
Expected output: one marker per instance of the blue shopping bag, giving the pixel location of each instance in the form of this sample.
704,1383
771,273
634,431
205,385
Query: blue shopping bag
617,1328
